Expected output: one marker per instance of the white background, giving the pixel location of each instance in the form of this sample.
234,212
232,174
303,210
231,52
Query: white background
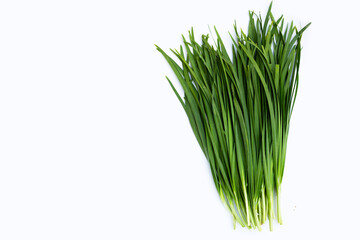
94,144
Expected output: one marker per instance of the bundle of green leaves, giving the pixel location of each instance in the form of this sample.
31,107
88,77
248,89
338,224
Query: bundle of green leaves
239,109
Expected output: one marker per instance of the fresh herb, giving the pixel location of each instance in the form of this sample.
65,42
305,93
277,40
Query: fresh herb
239,109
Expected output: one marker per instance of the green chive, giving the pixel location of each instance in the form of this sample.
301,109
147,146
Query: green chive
239,109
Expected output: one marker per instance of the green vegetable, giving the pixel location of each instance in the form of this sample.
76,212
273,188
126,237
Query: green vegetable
239,109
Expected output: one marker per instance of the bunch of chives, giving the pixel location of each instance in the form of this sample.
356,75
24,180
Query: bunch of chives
239,109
